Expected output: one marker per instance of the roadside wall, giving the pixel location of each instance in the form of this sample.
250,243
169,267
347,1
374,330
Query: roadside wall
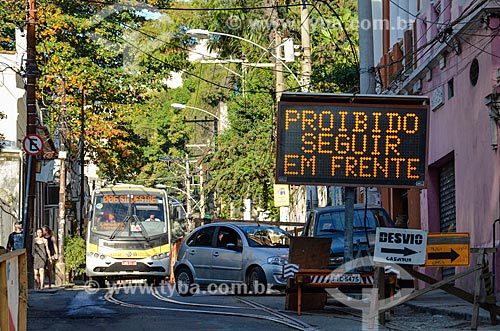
10,192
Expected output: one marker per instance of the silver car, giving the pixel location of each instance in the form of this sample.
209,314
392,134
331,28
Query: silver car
241,257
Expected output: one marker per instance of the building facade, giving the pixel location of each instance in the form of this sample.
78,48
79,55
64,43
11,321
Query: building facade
450,52
13,129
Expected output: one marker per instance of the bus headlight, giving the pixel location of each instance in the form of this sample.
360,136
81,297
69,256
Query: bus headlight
96,255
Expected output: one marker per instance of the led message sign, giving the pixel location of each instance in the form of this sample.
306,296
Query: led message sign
331,141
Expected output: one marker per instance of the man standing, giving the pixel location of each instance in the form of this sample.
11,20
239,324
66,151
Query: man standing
16,238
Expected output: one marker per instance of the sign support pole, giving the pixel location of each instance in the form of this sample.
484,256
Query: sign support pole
27,193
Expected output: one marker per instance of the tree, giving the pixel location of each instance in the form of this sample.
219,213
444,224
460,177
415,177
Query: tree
101,51
242,164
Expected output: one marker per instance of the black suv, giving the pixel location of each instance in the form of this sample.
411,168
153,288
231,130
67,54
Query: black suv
329,222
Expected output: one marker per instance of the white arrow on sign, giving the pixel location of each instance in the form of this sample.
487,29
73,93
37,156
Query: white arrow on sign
400,246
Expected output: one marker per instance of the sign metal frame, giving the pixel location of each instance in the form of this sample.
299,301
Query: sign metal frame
324,144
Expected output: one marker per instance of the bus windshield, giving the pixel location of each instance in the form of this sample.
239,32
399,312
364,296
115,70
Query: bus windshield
128,215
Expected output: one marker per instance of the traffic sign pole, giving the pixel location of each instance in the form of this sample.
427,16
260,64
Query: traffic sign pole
25,209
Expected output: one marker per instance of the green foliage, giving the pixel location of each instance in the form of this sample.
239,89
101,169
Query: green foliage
113,66
74,255
110,63
241,165
12,15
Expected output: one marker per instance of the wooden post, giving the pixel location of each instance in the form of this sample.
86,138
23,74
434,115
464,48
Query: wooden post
4,305
477,291
19,320
378,290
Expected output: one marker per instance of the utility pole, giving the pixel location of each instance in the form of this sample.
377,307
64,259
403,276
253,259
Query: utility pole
305,37
306,47
82,164
188,188
61,230
299,208
366,86
32,74
278,66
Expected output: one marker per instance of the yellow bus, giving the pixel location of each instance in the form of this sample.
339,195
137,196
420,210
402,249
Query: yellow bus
129,235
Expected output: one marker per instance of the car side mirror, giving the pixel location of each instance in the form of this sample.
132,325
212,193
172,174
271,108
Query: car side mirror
235,248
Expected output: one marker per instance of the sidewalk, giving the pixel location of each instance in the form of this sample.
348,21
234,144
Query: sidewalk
439,302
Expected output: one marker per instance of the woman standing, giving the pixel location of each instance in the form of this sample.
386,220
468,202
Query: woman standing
40,257
53,251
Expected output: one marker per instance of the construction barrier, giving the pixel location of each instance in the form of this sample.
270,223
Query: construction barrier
13,291
324,278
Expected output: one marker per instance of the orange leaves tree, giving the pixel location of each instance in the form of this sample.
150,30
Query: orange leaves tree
99,59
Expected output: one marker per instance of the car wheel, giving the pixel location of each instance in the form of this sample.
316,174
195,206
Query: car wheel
256,281
98,282
184,283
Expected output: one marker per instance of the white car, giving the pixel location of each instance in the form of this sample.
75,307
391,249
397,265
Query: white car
244,257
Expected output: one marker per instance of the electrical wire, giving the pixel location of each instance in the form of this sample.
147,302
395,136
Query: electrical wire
480,49
331,36
464,59
438,37
353,48
195,52
202,9
191,74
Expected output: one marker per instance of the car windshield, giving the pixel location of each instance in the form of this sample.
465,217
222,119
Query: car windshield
266,236
334,221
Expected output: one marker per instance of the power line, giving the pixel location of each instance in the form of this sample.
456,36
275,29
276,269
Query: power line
353,48
480,49
331,36
203,9
190,50
189,73
441,37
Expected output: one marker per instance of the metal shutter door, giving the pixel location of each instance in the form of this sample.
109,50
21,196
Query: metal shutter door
447,213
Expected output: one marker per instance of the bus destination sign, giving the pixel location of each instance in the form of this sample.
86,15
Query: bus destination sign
355,141
111,198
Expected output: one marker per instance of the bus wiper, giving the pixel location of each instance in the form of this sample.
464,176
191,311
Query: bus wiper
120,227
143,228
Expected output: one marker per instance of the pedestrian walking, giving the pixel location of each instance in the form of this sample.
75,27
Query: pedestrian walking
16,238
41,255
54,252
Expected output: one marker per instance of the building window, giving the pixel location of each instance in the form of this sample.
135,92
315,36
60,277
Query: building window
474,72
451,92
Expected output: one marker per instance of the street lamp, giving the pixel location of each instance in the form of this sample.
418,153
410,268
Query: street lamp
182,106
223,123
205,34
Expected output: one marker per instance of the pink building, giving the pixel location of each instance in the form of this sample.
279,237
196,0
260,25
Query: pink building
450,51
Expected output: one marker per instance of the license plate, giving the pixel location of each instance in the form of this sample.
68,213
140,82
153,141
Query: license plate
345,278
129,262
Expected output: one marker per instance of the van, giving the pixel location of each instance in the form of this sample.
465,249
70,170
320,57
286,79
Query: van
329,222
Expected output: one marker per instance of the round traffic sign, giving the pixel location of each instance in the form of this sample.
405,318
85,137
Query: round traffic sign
33,144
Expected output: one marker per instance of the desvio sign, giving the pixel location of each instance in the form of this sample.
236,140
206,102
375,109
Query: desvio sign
328,139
